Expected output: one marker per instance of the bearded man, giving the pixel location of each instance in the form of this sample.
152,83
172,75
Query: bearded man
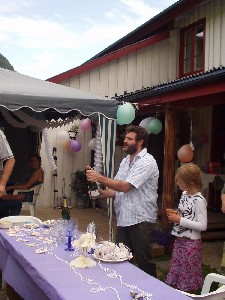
135,191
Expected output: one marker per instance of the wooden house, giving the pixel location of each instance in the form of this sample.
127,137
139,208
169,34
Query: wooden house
172,66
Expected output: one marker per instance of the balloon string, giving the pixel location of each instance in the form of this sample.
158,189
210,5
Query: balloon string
190,139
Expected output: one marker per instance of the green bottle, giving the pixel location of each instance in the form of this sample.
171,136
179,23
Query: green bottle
65,210
93,190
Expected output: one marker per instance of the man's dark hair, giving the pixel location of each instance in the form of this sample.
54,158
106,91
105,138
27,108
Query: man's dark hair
141,134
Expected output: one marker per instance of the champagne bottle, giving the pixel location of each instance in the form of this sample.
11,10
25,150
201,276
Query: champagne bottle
65,210
93,190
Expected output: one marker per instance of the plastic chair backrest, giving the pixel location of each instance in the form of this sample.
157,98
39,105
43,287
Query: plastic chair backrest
219,294
32,205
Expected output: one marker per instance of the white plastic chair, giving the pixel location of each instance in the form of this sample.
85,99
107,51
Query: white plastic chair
219,294
20,220
32,205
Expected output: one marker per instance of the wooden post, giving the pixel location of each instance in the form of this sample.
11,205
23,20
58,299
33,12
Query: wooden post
169,165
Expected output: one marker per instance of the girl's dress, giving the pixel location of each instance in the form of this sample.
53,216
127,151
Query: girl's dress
186,271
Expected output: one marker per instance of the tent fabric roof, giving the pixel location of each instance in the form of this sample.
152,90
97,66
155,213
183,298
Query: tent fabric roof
20,91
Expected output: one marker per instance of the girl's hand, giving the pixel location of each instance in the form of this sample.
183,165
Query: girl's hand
172,215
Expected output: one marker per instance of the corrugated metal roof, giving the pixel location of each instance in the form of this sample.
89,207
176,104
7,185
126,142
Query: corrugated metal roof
201,78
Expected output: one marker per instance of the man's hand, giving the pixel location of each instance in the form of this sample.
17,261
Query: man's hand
91,174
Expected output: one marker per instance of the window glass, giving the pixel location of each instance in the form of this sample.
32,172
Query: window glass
192,48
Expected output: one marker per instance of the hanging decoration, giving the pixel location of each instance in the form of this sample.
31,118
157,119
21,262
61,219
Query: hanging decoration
48,149
85,124
73,132
67,146
185,153
98,159
75,146
125,114
145,123
72,146
155,126
12,121
92,144
31,121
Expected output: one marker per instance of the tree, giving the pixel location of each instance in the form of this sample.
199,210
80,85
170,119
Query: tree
5,64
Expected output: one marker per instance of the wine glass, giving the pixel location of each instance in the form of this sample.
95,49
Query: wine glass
69,233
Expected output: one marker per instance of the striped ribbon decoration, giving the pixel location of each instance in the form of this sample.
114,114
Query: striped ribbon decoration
108,139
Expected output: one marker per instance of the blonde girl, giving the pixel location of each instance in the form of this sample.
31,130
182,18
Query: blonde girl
185,272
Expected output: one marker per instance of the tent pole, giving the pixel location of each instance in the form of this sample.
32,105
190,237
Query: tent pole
55,179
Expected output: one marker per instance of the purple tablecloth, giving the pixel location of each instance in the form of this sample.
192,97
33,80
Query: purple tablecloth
45,276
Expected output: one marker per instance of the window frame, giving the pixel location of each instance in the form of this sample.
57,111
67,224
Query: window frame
192,27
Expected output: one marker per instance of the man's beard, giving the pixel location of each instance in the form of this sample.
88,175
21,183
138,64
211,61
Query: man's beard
131,149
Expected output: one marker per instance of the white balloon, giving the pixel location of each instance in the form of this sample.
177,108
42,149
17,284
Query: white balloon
145,123
62,137
92,144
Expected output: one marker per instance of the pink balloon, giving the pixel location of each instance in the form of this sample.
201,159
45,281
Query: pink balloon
85,124
185,153
75,146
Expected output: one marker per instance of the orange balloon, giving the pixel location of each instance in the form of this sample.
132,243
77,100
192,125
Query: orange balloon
67,146
185,153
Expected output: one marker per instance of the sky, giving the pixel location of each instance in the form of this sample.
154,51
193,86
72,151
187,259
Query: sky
43,38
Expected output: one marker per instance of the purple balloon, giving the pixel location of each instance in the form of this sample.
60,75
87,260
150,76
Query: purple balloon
75,146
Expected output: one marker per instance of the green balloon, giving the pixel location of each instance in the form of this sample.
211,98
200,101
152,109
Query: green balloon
155,126
125,113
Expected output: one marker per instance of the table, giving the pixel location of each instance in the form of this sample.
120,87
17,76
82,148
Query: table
217,181
48,276
209,178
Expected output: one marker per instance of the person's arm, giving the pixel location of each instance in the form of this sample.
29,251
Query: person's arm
113,184
13,197
200,221
33,179
223,203
7,171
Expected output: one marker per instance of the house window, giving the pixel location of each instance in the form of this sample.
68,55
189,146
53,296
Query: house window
192,48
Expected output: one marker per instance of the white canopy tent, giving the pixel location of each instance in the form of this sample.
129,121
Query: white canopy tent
27,101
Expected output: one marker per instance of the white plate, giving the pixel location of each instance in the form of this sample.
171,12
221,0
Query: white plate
5,224
111,260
